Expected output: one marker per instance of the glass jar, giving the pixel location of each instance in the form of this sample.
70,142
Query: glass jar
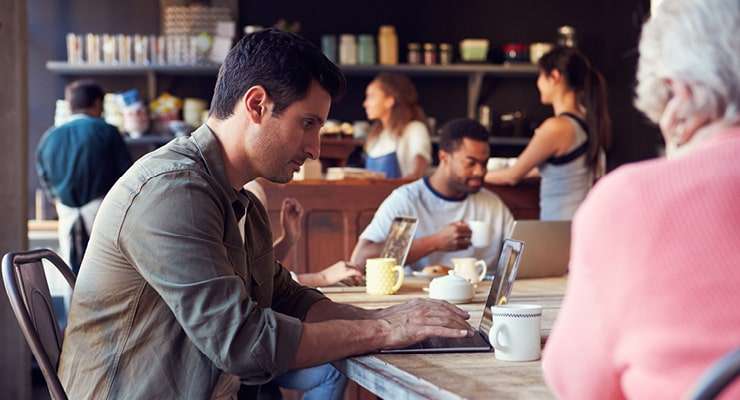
388,44
366,50
329,47
347,50
414,54
430,54
445,53
567,36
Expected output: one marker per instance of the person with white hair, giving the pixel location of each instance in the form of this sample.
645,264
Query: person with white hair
654,280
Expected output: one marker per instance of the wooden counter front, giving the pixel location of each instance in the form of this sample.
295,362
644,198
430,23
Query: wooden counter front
336,213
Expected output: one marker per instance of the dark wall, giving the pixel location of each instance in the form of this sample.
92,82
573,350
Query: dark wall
608,33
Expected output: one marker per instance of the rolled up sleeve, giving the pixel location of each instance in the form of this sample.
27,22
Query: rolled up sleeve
173,234
292,298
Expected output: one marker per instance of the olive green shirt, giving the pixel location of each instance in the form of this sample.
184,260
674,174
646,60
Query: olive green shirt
169,295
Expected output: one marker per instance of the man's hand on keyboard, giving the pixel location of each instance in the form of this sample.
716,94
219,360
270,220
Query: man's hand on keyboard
419,319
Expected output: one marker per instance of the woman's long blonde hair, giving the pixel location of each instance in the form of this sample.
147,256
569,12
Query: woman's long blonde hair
405,108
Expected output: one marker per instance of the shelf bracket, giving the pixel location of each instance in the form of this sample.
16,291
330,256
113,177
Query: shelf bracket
151,85
475,81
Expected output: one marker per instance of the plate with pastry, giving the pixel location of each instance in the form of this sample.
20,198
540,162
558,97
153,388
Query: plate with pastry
432,271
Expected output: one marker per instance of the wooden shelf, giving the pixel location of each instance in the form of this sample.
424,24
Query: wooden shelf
64,68
473,72
502,70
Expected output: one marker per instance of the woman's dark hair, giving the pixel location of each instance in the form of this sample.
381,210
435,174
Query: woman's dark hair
590,88
283,63
83,94
453,132
406,106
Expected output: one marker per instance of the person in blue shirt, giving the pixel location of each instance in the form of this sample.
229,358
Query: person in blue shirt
77,163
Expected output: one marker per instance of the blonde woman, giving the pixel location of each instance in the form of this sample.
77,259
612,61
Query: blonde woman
653,294
398,144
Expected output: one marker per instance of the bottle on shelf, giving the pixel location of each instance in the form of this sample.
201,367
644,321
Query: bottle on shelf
366,50
347,50
430,53
388,44
414,54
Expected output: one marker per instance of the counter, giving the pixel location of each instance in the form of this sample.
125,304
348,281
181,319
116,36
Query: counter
336,213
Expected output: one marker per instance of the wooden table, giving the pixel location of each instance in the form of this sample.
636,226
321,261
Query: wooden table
454,375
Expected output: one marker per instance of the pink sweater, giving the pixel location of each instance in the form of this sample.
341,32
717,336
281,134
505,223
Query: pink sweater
654,288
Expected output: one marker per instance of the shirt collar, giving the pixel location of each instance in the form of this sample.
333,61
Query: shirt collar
211,151
440,195
77,116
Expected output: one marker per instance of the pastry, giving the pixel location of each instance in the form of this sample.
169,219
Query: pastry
435,270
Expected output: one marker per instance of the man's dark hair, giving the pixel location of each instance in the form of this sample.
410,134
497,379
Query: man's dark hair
82,94
454,131
281,62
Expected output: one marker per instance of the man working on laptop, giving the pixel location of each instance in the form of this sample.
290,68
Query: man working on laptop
172,302
442,203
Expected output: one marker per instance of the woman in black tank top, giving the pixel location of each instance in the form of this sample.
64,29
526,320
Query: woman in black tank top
577,92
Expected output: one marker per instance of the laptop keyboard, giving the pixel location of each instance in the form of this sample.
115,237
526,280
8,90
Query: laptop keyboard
475,341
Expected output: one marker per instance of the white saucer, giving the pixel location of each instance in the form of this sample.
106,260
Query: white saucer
422,274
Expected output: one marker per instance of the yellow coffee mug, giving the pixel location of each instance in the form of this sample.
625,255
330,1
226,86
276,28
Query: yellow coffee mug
383,276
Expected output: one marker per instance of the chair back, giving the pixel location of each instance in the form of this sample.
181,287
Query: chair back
30,299
718,377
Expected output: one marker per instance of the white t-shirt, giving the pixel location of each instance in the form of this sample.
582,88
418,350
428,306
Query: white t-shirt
434,212
414,141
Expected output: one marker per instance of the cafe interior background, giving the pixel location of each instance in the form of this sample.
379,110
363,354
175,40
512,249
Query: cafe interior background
502,93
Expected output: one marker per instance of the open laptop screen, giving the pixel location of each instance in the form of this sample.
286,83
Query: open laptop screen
503,280
400,236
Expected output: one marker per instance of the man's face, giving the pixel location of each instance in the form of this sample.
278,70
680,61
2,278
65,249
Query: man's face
466,166
287,140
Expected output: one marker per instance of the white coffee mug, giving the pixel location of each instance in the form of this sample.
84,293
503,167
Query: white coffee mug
515,333
470,268
481,233
496,163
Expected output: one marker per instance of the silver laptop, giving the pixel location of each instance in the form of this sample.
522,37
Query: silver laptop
503,280
548,247
397,246
399,239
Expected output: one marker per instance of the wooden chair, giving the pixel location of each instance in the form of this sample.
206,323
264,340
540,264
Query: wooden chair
28,292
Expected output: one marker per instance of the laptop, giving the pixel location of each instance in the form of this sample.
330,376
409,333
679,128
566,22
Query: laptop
503,280
397,246
399,239
548,247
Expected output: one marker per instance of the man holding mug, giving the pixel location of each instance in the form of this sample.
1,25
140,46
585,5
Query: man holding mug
457,217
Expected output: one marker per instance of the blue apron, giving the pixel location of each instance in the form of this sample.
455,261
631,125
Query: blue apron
387,164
